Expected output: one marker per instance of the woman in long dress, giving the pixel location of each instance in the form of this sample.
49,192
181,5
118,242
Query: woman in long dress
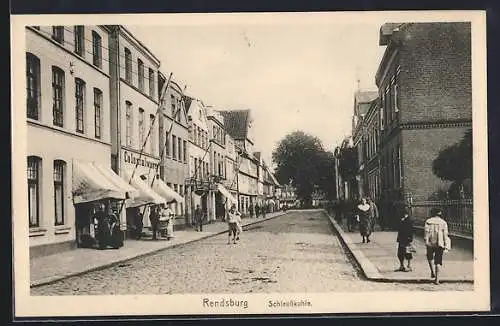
170,222
365,221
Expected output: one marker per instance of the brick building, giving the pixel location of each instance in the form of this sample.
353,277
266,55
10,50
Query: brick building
424,82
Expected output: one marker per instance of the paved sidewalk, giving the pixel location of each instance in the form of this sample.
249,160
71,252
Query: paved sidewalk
52,268
378,258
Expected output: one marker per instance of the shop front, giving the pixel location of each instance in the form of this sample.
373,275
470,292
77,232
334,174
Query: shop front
97,195
142,172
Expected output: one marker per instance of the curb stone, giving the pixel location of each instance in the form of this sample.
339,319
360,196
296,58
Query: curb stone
370,271
54,279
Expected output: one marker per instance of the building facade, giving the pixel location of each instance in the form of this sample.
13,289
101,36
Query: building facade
218,163
425,92
68,119
174,140
238,124
232,163
362,104
200,190
134,111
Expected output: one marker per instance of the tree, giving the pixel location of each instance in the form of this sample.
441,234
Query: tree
301,160
454,163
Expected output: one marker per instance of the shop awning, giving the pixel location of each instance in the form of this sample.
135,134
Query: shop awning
92,181
166,192
146,194
223,190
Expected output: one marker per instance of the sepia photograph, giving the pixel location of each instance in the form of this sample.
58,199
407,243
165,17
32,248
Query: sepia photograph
265,163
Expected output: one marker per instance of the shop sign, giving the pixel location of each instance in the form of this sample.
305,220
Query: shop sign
136,159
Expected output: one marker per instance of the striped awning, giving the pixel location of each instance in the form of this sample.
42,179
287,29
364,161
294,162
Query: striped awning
230,198
166,192
93,181
146,194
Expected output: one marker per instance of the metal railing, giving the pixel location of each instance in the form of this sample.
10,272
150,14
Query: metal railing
457,213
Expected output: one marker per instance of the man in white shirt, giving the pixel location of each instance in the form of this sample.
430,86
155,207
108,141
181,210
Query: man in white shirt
233,219
437,241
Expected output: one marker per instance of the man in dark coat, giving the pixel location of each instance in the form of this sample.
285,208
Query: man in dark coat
404,239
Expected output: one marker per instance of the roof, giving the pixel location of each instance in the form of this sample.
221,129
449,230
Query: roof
365,96
236,123
386,31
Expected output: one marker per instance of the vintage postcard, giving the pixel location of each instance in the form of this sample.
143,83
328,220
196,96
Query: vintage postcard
264,163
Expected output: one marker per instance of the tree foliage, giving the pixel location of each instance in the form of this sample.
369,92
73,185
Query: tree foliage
348,163
454,163
301,160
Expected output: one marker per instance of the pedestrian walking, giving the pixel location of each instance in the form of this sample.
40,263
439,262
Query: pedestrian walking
365,222
198,218
257,210
114,229
264,210
404,240
374,216
437,242
234,224
154,218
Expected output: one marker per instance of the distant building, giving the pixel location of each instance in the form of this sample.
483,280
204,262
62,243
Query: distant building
362,103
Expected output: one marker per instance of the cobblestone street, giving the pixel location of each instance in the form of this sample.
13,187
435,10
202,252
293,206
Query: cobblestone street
296,252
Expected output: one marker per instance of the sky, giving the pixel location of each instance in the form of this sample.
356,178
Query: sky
291,76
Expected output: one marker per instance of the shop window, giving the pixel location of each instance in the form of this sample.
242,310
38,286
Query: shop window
128,66
80,103
97,112
34,168
58,34
79,34
128,127
59,167
96,49
58,96
32,86
140,74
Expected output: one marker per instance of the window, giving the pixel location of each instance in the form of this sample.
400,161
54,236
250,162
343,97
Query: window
174,147
179,152
58,96
97,112
79,96
152,140
96,49
34,165
79,33
141,127
172,101
184,151
128,127
195,134
59,192
151,82
196,173
140,74
167,143
178,116
128,65
58,34
32,86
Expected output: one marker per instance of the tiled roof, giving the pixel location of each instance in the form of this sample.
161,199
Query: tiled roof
236,123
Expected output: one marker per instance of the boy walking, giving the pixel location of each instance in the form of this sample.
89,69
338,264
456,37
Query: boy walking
437,242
